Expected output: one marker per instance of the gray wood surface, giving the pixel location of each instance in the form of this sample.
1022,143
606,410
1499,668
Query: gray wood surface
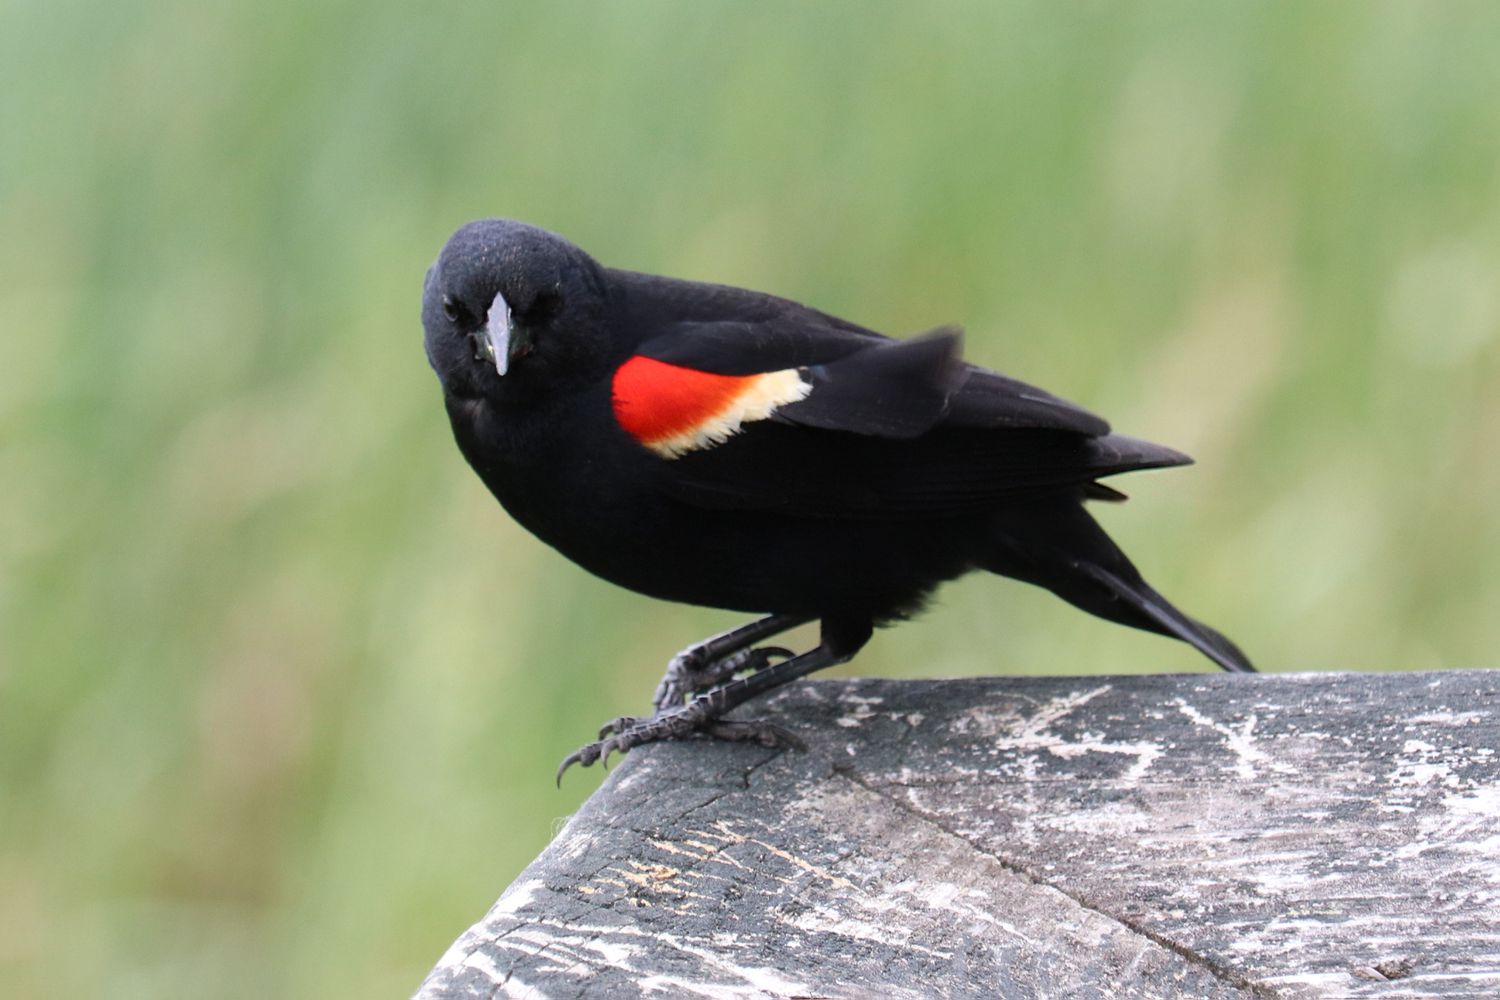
1322,835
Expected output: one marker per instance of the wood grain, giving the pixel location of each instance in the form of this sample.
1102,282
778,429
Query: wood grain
1321,835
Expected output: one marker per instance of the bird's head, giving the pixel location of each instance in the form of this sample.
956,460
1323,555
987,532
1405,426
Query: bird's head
510,309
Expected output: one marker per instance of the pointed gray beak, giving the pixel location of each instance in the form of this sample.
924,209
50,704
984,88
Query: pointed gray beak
497,333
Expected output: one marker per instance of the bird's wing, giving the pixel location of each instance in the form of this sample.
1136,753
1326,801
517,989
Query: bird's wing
820,421
988,400
807,472
866,383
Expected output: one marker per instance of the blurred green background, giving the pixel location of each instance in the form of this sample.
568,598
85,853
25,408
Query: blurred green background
282,689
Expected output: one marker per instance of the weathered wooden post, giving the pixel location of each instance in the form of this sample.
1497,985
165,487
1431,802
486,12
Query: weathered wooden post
1320,835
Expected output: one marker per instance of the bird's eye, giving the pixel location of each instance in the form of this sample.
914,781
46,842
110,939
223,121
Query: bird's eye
452,309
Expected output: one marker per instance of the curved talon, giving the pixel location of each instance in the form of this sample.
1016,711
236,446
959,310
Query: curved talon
612,740
576,757
620,736
618,725
668,698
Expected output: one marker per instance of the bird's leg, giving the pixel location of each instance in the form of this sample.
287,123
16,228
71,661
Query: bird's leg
713,661
841,640
701,714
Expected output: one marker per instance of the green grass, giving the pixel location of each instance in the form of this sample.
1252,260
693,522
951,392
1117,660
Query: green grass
281,689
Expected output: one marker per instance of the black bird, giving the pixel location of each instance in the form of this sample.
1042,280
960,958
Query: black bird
723,447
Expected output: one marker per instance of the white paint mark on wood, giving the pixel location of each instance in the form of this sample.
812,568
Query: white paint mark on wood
1241,743
1289,833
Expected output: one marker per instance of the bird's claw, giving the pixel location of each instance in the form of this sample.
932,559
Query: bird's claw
578,756
620,735
619,725
688,674
590,753
623,734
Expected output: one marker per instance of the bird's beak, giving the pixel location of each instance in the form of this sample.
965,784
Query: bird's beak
497,332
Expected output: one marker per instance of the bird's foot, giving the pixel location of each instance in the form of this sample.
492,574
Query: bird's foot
691,672
698,716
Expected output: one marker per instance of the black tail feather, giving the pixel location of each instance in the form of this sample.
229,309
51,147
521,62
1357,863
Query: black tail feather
1063,549
1141,596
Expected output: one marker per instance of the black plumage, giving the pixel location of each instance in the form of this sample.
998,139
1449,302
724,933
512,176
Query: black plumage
729,448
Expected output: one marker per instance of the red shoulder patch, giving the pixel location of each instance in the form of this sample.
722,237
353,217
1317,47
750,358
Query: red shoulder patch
674,410
654,400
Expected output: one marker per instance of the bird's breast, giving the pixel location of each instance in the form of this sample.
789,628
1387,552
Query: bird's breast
565,472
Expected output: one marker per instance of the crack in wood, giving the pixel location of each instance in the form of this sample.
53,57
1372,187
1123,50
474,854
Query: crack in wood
1229,976
1297,837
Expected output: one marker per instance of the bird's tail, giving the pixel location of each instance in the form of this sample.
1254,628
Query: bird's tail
1143,599
1063,549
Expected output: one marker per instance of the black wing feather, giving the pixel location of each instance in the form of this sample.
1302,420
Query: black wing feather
737,347
989,399
897,389
856,373
949,471
891,430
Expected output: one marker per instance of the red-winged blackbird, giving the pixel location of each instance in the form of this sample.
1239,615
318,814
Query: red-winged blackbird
728,448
